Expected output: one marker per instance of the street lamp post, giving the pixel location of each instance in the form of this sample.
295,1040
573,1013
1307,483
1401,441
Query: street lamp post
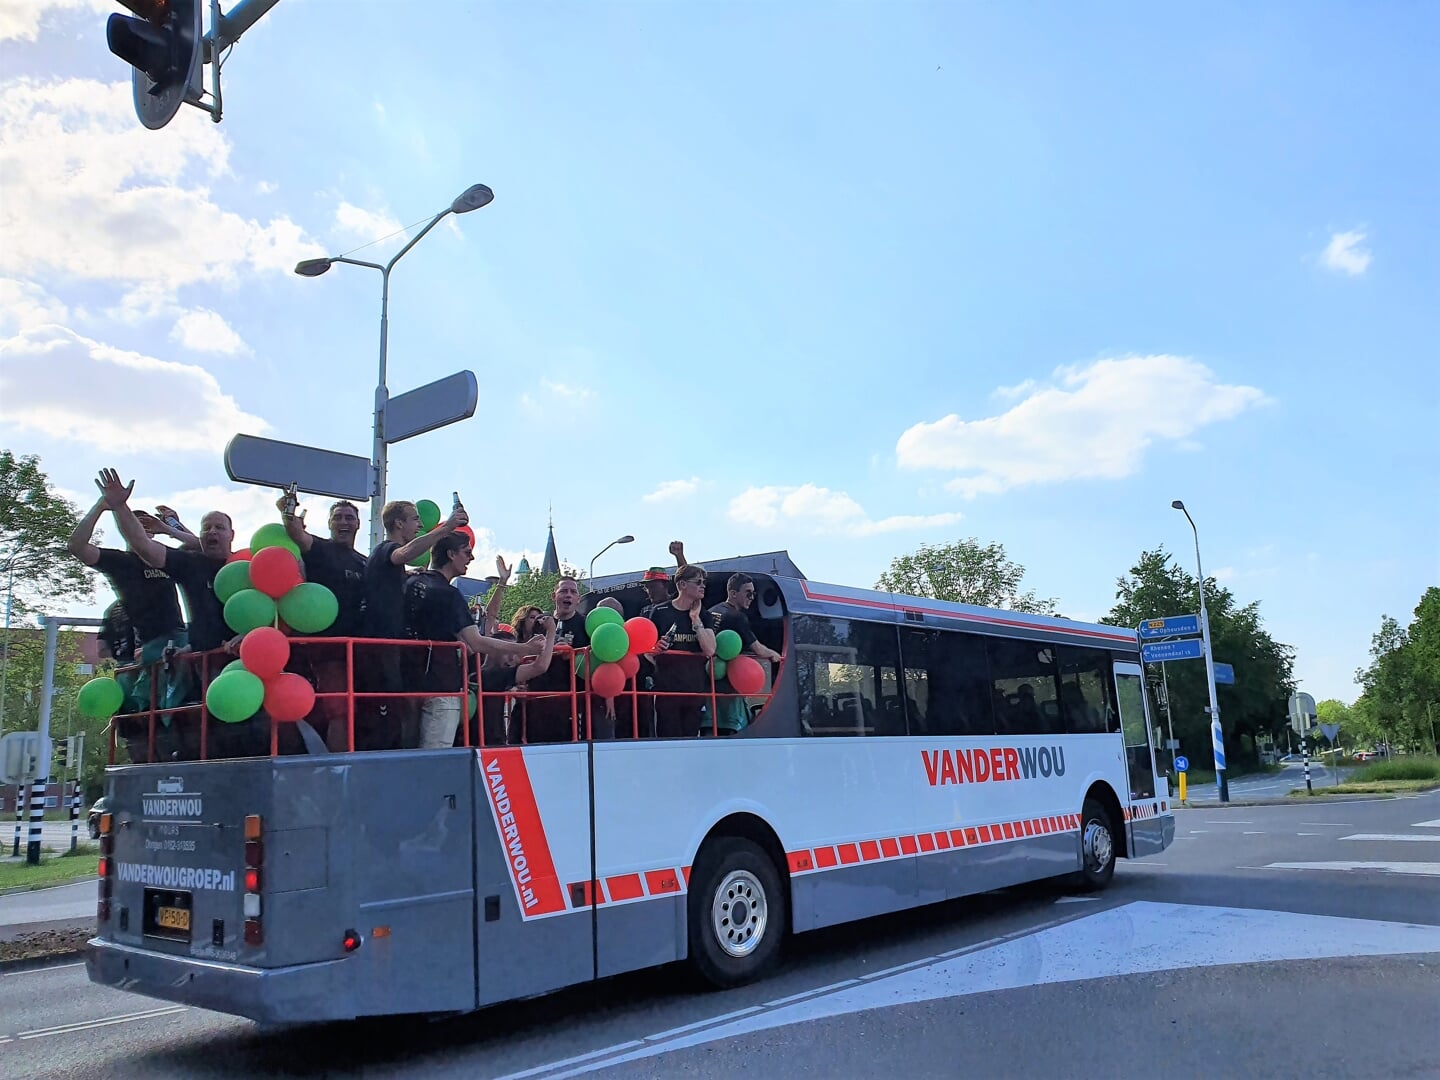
1217,734
472,198
626,539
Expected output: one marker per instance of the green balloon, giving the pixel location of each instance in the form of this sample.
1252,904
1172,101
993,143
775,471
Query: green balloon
232,578
608,641
471,701
718,666
234,665
309,608
429,514
235,696
100,699
582,664
249,609
728,644
273,535
602,616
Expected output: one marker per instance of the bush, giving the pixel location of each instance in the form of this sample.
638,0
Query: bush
1410,768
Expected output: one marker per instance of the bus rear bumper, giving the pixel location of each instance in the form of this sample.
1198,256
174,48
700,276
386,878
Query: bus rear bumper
302,994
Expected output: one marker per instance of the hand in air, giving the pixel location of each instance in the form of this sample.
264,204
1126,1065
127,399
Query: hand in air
116,493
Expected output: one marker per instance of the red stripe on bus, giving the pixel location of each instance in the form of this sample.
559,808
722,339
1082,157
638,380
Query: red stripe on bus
624,887
847,853
908,845
521,832
686,871
971,836
984,834
1007,831
824,857
1030,828
927,842
957,837
800,861
869,850
889,848
942,841
660,882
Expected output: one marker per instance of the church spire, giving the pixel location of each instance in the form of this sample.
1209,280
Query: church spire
551,563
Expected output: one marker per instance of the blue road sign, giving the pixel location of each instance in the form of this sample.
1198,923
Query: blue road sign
1171,626
1158,652
1181,763
1224,673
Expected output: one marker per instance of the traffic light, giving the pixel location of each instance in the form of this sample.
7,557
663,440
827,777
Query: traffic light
164,46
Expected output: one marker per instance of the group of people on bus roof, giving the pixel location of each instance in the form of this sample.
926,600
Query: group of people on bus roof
380,597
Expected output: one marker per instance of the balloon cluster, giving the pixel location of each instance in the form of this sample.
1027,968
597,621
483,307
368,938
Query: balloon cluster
259,679
616,645
429,512
100,699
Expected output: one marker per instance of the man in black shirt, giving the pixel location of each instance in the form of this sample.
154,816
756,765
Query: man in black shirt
546,715
436,611
384,617
733,614
335,564
682,629
502,674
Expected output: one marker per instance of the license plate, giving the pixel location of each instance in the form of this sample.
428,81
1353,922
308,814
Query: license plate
172,918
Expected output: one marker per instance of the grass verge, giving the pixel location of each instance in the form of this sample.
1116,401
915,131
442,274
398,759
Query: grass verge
1407,768
1374,787
52,870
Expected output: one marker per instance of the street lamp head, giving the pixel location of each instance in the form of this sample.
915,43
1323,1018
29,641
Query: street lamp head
1177,505
627,539
312,267
472,198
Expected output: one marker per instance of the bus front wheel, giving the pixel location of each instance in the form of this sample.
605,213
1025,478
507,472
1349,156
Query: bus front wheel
1097,846
736,913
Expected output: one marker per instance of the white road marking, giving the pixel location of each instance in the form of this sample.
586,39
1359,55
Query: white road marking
99,1022
1077,899
1253,832
1136,938
40,970
1328,824
703,1023
1309,834
1420,869
1226,821
1427,824
1390,836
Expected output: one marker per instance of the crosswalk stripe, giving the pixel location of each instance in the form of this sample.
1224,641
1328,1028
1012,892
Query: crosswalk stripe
1416,869
1391,836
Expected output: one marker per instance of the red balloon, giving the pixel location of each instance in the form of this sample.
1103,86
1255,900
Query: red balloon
265,652
274,571
607,680
630,664
643,634
745,675
243,555
288,697
465,531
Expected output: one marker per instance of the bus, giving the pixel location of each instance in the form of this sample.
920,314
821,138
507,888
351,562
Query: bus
903,751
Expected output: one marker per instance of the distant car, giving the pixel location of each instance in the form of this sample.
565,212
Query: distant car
1365,755
93,817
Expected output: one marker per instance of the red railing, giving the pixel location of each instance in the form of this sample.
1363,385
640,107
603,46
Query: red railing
579,697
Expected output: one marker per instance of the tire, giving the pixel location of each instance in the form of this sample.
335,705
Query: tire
1097,846
737,913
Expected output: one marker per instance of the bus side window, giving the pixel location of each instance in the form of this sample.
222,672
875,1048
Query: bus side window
1085,681
846,674
947,681
1024,677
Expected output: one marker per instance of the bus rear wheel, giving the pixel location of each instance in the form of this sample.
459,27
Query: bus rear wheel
737,913
1097,846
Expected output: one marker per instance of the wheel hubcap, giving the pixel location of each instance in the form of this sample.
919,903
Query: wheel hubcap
1098,846
739,913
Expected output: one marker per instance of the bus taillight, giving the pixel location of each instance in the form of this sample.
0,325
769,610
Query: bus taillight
351,941
254,858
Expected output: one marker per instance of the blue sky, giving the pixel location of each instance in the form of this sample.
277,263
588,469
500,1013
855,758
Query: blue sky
839,278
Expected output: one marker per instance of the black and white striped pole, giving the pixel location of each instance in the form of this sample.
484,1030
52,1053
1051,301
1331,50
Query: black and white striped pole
47,694
1302,713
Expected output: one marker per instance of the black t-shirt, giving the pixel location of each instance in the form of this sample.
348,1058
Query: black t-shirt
384,610
342,571
434,610
117,633
676,673
146,593
724,617
195,574
570,632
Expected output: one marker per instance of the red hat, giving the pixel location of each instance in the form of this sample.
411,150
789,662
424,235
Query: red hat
656,573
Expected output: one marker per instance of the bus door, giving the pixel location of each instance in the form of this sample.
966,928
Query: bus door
1134,724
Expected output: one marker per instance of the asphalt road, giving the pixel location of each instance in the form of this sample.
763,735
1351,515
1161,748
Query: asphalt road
1202,958
1273,785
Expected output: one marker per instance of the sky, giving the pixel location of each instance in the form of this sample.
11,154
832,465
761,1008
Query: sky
841,278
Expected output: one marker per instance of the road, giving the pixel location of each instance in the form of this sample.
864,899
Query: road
53,834
1273,785
1206,955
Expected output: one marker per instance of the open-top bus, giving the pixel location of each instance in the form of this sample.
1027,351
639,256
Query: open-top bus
904,751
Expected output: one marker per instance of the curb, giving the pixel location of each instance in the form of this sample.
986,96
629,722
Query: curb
1191,804
34,963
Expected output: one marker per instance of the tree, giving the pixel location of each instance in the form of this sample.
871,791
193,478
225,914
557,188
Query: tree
535,588
1157,586
964,572
35,525
1401,702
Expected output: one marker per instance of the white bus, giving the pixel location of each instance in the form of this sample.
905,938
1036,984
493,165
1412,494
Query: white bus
904,751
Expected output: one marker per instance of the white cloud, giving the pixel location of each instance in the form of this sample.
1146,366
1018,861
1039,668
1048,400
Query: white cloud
1010,393
1092,421
20,19
265,187
673,489
1345,255
356,223
821,510
566,390
70,387
204,330
92,194
24,305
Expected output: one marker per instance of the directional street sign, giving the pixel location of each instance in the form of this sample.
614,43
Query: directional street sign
444,401
1172,626
252,460
1224,673
1159,652
1181,763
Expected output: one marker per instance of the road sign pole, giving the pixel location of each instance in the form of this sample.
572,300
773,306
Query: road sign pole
1217,734
1169,716
379,460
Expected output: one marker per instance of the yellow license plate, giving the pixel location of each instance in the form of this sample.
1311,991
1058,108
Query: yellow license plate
172,918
